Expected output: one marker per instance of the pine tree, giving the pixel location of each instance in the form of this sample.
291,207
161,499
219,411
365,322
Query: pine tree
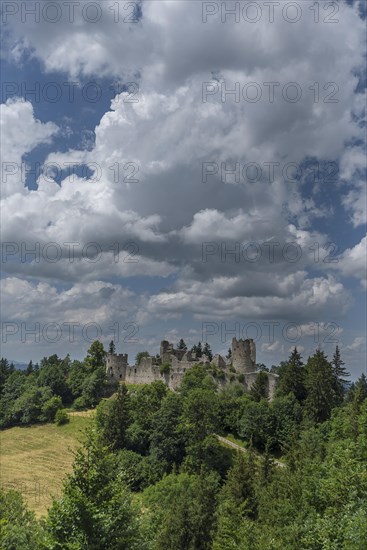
259,389
113,419
4,372
198,350
240,484
267,466
95,510
204,505
320,387
181,344
357,394
360,392
340,376
292,377
112,347
207,351
29,369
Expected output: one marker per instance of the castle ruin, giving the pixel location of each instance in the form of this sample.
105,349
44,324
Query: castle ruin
171,364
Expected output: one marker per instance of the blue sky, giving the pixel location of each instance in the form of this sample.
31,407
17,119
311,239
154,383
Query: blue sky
151,122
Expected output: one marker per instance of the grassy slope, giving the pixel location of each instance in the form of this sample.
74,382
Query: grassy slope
35,459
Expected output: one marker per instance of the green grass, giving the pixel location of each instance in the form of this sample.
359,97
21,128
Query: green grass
35,459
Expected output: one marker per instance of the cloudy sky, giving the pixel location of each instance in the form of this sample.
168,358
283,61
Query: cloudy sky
183,169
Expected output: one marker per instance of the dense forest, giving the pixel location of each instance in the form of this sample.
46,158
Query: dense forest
153,473
39,392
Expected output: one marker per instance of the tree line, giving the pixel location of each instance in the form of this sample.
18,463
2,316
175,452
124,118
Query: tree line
38,393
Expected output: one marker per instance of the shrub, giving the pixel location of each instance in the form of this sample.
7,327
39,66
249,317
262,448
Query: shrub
50,408
61,417
241,378
80,403
165,368
27,408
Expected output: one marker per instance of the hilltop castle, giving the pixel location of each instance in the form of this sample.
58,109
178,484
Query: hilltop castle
171,364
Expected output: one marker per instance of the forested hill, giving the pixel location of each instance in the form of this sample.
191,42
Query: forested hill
153,473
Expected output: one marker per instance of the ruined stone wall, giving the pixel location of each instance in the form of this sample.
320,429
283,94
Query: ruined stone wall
219,361
253,351
118,370
174,380
273,381
243,360
165,351
180,366
142,374
146,374
146,362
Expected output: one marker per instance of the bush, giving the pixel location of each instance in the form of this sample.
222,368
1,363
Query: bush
165,368
80,403
241,378
217,373
61,417
50,408
27,409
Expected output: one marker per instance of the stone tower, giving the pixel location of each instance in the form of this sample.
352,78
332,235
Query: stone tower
244,355
166,350
116,367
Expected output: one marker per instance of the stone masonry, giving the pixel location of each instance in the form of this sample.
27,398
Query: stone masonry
244,355
172,364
